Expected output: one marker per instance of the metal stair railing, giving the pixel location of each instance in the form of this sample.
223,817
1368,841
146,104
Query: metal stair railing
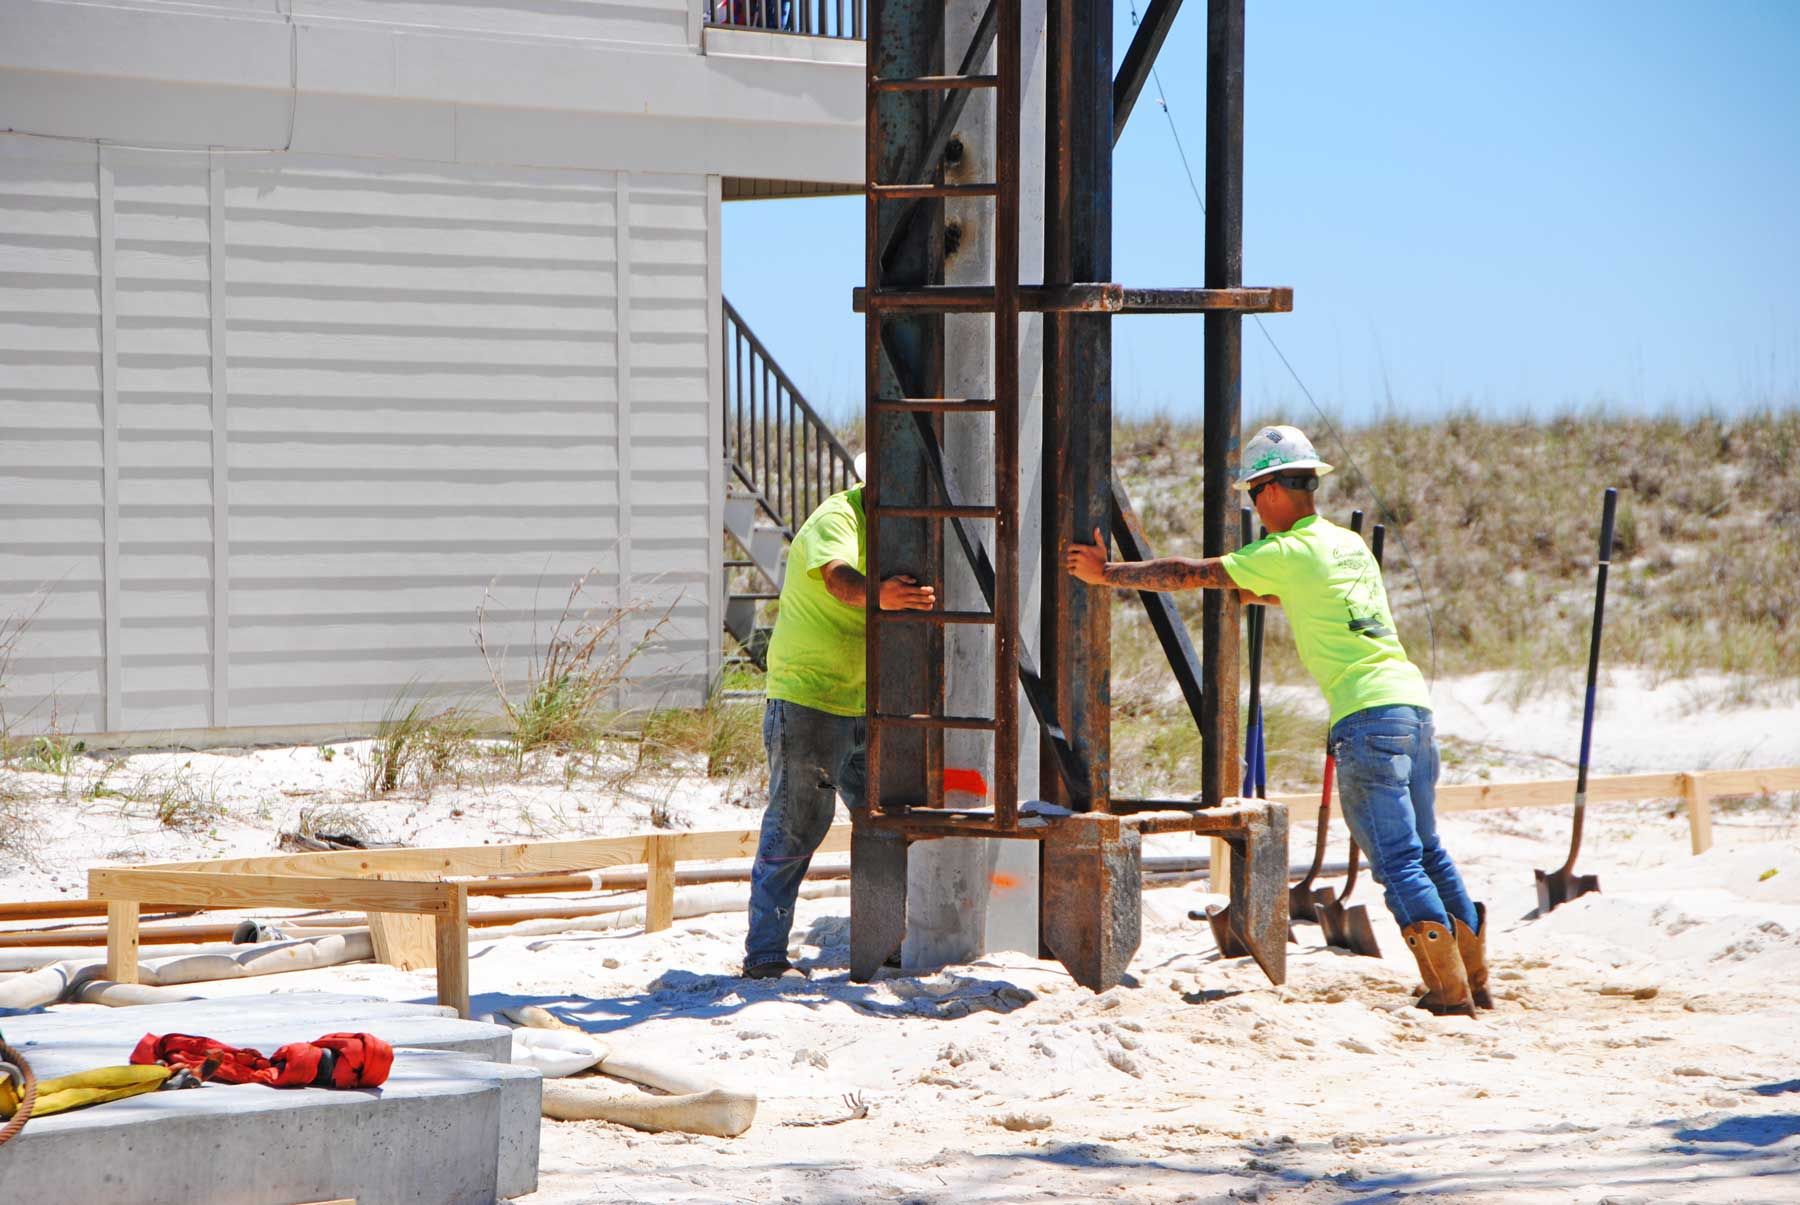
781,452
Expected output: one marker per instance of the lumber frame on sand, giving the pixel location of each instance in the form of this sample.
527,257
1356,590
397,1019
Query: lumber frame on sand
1696,790
343,880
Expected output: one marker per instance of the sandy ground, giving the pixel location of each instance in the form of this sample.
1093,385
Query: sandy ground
1646,1046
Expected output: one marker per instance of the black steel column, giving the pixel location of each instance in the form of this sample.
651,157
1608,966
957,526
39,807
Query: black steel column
1224,388
1077,486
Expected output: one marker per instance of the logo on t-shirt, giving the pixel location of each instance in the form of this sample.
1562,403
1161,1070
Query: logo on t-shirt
1364,598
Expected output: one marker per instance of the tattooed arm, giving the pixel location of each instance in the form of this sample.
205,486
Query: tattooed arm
1088,563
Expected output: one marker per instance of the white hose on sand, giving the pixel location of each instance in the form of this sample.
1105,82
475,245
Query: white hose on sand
701,901
51,984
716,1112
556,1053
126,995
694,1104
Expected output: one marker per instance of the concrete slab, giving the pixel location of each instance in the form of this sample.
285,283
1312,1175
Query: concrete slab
260,1022
445,1128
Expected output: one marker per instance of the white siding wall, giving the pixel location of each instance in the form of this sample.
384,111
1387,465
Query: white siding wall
670,414
370,392
52,491
162,312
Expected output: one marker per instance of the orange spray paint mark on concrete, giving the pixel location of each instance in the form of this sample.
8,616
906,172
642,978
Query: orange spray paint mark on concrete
967,782
1003,881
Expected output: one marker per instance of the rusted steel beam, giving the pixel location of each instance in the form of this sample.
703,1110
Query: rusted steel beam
1171,629
1140,57
937,141
877,897
1077,416
1008,102
1084,297
1093,894
904,358
1223,385
920,824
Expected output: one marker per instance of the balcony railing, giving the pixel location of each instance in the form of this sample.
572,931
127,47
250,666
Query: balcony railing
814,18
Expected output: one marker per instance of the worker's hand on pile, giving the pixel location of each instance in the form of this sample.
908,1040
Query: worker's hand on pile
902,592
1088,561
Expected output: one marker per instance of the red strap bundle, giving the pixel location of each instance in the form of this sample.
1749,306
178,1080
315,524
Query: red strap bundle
337,1060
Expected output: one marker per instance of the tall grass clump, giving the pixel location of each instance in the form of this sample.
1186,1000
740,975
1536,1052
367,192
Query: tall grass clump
573,687
727,734
419,745
12,632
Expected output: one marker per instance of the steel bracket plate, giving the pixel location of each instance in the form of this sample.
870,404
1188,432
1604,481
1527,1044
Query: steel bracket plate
1093,896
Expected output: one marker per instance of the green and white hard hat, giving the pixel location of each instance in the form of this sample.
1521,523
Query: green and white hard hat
1279,450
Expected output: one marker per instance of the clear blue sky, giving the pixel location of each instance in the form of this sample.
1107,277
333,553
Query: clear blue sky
1516,207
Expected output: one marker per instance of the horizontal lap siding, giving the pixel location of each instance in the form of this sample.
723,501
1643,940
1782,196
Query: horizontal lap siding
671,450
422,409
421,390
162,241
52,526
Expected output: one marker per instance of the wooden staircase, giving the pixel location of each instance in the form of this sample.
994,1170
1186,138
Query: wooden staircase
784,460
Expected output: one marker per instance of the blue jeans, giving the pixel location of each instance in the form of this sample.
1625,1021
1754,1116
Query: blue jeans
814,757
1387,769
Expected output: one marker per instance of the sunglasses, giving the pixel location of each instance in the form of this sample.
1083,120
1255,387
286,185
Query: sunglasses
1306,482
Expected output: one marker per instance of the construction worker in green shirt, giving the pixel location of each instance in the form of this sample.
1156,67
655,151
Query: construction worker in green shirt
1328,584
813,726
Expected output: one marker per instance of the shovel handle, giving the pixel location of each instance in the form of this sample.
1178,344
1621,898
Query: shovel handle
1324,832
1608,512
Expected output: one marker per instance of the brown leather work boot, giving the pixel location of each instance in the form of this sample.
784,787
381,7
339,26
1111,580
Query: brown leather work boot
1472,945
1446,983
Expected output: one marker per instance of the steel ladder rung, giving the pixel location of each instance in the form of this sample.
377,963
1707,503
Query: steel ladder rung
934,618
938,405
902,192
972,723
933,512
934,83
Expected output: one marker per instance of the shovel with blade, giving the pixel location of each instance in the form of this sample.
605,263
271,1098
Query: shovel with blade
1561,885
1255,785
1346,926
1300,895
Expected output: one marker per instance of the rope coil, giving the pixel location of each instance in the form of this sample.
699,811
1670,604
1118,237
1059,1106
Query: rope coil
27,1098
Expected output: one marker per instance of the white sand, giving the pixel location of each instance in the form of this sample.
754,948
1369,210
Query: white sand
1199,1081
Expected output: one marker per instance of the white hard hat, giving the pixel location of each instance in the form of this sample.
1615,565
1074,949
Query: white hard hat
860,466
1279,450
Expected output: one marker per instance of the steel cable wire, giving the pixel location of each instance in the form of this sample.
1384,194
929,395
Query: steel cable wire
1381,506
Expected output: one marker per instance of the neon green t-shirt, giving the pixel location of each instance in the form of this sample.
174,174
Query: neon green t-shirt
816,654
1330,588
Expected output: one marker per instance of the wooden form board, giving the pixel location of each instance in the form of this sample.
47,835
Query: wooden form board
405,886
1696,790
403,939
412,881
